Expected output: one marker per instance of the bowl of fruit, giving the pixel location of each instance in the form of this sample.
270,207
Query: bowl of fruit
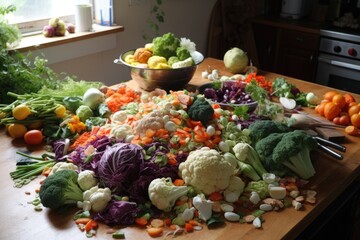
228,94
167,62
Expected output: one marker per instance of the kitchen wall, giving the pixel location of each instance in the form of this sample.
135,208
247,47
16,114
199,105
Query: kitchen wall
185,18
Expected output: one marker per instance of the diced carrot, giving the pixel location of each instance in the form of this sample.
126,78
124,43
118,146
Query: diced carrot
82,220
176,102
189,227
179,182
216,139
146,140
90,225
172,161
157,223
196,123
187,129
162,133
199,138
95,129
140,221
173,227
176,121
216,106
194,222
42,180
209,143
150,133
37,190
155,231
216,196
216,115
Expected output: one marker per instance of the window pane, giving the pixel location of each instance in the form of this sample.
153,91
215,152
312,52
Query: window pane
33,10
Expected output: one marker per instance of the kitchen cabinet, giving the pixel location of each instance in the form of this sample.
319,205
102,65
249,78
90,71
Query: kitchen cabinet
287,47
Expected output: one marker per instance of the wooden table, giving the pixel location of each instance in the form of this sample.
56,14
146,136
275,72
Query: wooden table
20,221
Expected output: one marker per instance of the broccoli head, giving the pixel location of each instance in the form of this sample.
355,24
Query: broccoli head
201,110
262,128
166,45
182,53
60,189
293,151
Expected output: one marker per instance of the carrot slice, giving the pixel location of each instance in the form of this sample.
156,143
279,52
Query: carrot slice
82,220
155,231
90,225
179,182
140,221
216,196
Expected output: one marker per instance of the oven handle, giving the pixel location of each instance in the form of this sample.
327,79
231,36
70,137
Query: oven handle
340,64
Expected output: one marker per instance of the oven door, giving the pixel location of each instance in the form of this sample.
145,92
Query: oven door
338,72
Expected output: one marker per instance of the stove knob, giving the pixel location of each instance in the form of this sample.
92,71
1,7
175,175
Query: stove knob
352,52
337,49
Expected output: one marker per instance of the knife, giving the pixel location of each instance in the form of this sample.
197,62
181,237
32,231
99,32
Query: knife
330,144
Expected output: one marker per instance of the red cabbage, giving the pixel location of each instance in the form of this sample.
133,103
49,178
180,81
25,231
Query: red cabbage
118,213
120,165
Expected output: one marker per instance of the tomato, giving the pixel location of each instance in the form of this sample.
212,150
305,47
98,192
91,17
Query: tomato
20,112
336,120
33,137
16,130
354,109
344,120
339,100
355,120
331,110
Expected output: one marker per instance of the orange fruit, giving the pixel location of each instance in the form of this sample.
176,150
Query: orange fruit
329,95
349,98
320,109
339,100
331,110
355,120
354,109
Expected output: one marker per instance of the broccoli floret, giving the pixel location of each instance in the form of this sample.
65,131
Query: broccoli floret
172,60
293,151
262,128
59,189
182,53
264,147
166,45
201,110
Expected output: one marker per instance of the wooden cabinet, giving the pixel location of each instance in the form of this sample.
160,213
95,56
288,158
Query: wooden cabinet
287,48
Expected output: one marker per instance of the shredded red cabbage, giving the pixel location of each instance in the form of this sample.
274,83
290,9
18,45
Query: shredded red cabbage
118,213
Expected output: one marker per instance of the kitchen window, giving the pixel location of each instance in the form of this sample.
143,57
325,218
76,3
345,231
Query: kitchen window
32,15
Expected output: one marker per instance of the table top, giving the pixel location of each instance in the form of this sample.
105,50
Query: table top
19,219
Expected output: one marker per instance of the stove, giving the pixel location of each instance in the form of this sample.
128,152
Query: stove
339,59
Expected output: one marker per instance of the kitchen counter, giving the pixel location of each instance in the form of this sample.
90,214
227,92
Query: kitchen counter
20,221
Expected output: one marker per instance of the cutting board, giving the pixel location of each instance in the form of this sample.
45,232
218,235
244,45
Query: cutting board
331,134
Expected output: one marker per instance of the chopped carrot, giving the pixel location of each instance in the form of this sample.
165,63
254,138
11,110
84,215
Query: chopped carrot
157,223
155,231
216,196
172,161
162,133
173,227
37,190
90,225
150,132
196,123
146,140
176,121
194,222
189,227
82,220
179,182
216,106
180,202
199,138
140,221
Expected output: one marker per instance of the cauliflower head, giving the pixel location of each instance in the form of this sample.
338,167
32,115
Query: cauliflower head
97,197
63,166
87,180
206,170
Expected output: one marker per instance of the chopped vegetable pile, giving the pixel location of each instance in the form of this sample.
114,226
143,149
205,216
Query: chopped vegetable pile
173,162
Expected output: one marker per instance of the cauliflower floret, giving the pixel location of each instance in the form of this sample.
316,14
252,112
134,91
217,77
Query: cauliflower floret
119,116
142,55
153,120
120,132
87,180
97,197
234,190
158,62
63,166
201,170
163,193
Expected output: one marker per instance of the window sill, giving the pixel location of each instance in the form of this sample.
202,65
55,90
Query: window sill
38,41
71,46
